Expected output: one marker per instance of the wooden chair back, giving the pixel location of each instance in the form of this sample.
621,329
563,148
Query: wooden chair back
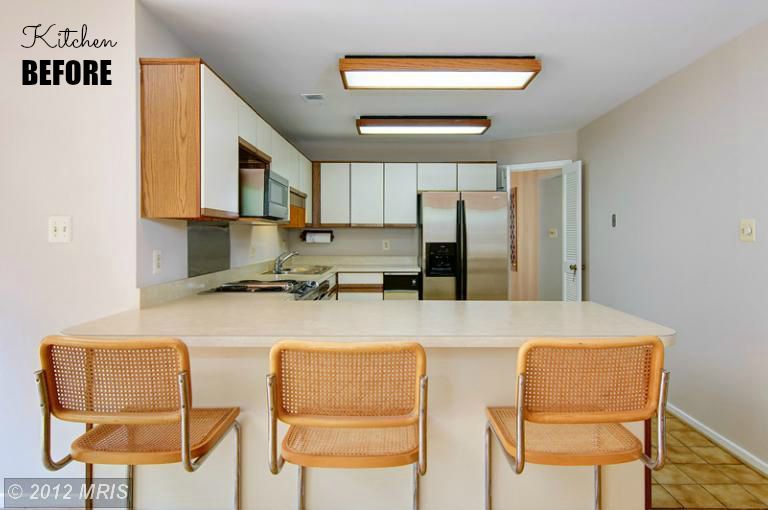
347,384
597,380
113,380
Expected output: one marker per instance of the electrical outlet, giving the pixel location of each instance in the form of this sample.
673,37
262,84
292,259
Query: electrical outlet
252,251
60,229
156,261
385,245
747,230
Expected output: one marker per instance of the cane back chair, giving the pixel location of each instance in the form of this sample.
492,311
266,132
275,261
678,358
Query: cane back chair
348,405
572,397
138,393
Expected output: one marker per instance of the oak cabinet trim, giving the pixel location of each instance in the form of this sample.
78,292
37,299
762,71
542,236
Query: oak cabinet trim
360,287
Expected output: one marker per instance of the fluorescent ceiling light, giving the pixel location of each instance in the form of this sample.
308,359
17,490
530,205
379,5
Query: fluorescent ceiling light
422,125
503,73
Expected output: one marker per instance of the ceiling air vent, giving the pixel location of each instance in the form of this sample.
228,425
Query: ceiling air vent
313,98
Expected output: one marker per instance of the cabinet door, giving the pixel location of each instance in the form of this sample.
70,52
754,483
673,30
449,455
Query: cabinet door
400,195
334,193
367,194
247,123
218,148
361,286
264,134
437,177
305,180
477,176
285,160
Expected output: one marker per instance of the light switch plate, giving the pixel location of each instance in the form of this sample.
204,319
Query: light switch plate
747,231
59,229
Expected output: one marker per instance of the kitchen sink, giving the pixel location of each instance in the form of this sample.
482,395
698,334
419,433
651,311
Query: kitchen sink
301,270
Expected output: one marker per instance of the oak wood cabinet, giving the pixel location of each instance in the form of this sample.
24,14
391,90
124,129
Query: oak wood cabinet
360,286
191,125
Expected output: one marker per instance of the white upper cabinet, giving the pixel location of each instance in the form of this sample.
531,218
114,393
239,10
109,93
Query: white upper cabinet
334,193
247,123
264,133
219,145
477,176
305,183
437,176
367,194
285,159
400,195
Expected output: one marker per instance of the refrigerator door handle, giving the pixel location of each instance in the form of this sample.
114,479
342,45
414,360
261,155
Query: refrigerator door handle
459,245
464,254
461,251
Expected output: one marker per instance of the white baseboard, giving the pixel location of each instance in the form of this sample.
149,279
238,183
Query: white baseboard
739,452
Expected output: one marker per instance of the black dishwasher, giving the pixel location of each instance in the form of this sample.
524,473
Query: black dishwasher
401,286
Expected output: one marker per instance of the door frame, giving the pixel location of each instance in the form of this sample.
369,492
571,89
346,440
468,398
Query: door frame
506,170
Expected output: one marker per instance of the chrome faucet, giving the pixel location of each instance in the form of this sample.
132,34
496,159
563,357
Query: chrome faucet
282,259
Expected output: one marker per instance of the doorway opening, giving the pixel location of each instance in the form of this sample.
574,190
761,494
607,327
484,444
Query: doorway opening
545,230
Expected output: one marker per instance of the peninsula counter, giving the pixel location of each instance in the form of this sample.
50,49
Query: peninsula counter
471,353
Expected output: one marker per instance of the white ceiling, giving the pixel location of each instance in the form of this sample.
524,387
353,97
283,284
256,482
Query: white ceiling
595,54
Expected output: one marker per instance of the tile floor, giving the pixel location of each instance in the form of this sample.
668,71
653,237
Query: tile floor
701,475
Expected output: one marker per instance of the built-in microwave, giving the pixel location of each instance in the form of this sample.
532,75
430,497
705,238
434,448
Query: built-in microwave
264,194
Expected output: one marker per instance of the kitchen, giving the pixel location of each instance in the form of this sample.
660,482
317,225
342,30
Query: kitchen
455,281
253,200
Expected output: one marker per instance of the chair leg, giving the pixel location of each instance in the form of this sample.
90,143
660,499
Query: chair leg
88,483
238,464
416,486
488,501
598,487
129,475
301,489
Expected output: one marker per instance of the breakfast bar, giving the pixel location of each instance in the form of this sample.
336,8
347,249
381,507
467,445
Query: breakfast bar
471,359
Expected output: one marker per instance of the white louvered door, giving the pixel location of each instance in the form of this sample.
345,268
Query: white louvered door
572,230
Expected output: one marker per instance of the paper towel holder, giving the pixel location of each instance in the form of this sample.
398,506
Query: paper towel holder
304,233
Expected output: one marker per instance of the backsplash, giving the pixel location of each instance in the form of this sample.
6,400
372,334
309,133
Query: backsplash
360,241
208,247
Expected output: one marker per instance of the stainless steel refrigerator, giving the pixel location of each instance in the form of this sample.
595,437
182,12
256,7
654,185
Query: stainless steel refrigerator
464,245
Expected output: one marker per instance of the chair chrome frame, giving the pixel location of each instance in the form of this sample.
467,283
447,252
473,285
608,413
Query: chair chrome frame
189,464
45,410
192,465
517,463
276,460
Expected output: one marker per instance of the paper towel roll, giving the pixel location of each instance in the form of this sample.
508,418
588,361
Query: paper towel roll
318,237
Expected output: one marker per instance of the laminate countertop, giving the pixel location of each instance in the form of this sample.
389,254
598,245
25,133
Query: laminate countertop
238,320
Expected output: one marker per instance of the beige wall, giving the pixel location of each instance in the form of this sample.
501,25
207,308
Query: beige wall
66,150
386,150
680,164
249,244
531,149
535,149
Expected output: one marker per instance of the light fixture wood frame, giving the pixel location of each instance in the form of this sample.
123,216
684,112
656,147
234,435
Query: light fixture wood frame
440,64
436,121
